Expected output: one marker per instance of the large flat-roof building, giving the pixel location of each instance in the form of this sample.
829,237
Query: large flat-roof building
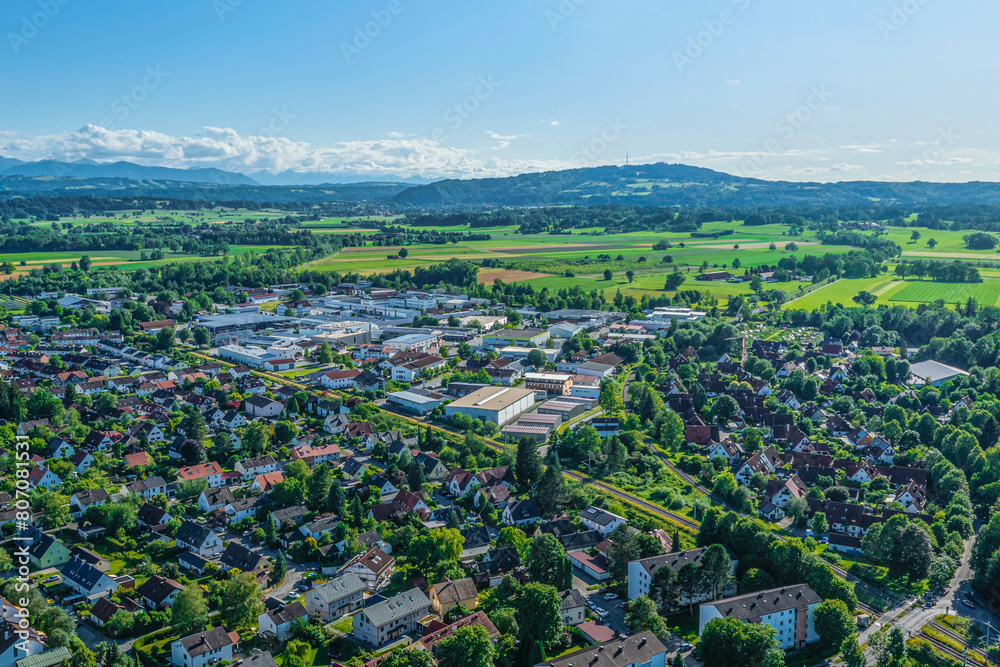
662,318
555,384
516,337
934,373
498,405
225,327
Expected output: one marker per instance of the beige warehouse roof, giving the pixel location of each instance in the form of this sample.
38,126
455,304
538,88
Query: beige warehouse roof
492,398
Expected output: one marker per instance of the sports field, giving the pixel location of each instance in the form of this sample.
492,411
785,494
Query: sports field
986,293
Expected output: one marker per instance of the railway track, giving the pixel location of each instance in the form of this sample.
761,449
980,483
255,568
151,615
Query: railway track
951,652
951,634
652,508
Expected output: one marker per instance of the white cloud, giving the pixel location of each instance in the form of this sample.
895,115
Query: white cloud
504,139
734,82
224,148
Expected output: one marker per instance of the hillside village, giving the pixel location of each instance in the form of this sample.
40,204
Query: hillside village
391,477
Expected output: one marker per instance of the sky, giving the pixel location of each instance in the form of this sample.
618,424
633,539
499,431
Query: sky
816,90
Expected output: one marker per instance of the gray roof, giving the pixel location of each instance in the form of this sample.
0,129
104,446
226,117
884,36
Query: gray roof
340,587
571,599
933,371
397,606
191,533
599,516
82,573
675,560
287,613
755,605
40,542
637,649
456,591
220,495
203,642
259,659
239,557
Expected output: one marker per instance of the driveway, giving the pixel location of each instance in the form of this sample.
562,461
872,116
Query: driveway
615,618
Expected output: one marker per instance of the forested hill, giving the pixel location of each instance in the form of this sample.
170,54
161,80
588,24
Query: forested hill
638,185
664,184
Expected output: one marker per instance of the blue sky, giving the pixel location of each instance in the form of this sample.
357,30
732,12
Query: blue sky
816,90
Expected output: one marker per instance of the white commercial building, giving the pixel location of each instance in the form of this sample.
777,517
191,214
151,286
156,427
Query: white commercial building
498,405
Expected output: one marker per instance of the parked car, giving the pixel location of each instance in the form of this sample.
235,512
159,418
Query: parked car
611,596
54,577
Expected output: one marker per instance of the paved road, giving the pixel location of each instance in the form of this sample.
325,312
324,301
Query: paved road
911,619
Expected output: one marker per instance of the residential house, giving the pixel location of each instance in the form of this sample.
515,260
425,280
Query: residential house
86,579
80,501
204,648
572,607
374,567
521,512
44,551
447,594
277,623
258,465
212,499
387,621
336,597
210,472
159,592
261,406
198,539
601,520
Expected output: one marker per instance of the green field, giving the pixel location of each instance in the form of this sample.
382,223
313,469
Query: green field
986,293
842,291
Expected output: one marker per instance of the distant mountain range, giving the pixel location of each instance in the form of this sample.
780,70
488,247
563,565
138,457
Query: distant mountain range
91,169
658,184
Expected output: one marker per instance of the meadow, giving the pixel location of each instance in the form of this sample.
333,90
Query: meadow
581,257
892,291
125,260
